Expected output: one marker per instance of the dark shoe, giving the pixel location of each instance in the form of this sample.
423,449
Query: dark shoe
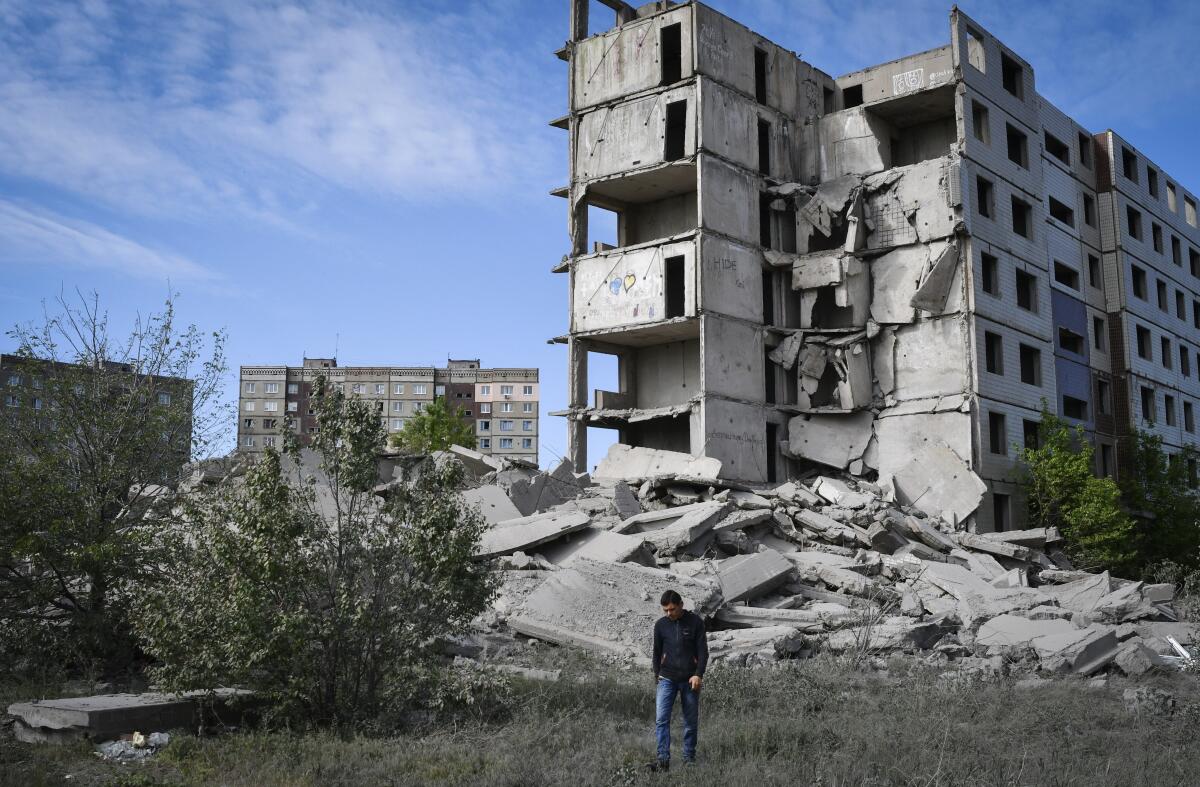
660,766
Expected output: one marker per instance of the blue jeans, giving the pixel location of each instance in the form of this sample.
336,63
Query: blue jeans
664,703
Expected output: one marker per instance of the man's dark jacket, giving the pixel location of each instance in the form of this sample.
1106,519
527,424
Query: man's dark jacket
680,647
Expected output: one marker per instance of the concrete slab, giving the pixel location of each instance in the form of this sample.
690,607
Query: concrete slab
626,462
833,440
748,576
672,529
743,616
839,493
1080,650
896,633
625,501
108,715
939,483
1082,595
527,532
493,503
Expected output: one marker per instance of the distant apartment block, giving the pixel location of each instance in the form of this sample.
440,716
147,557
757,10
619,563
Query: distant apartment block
886,271
502,404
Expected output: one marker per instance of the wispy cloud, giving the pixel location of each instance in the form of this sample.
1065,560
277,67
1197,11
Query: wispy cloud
32,236
261,109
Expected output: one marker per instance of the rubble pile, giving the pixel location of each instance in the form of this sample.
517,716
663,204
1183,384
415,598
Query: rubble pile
822,563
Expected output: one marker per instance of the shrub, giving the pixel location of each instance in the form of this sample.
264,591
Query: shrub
300,583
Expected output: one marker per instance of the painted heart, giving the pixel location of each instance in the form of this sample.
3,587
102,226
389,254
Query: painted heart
630,280
615,286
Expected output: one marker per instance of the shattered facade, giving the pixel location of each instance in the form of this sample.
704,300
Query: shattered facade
501,404
884,272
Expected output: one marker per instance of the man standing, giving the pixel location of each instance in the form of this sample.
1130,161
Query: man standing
680,656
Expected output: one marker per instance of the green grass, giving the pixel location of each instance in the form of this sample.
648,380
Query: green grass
813,722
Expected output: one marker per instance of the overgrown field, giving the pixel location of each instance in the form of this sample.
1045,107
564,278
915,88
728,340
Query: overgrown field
814,722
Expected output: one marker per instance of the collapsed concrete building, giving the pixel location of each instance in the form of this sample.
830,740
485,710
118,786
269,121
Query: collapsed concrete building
885,272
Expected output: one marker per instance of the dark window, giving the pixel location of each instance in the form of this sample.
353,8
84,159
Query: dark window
1189,417
768,296
1065,274
772,449
1143,343
1194,262
768,381
764,220
674,284
1031,365
1099,339
760,76
1152,181
852,96
1018,146
1027,291
1029,431
827,95
1012,76
1022,218
997,434
984,197
1074,408
1057,148
991,273
671,44
1185,361
979,123
1070,341
1156,236
1133,218
1160,288
1102,394
1180,309
1129,164
675,144
993,346
1106,459
1168,358
1139,281
1169,409
1000,512
1148,409
1062,212
1176,251
1089,210
1085,150
764,147
1094,271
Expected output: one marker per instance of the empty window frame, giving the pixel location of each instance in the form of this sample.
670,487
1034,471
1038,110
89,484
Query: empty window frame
1133,222
1089,210
1057,148
1066,275
1196,314
852,96
1074,408
997,434
985,197
1099,334
674,284
675,131
1094,277
1176,251
1160,289
671,53
1022,218
976,56
1001,515
1106,460
1069,341
1189,210
830,103
993,345
1031,365
980,122
1129,165
1156,236
1165,354
760,76
1012,76
1189,417
1194,262
1172,198
1149,410
1185,361
1085,150
1027,297
1103,392
1152,180
1018,146
764,147
1138,275
991,273
1180,309
1029,433
1143,343
1169,409
1061,212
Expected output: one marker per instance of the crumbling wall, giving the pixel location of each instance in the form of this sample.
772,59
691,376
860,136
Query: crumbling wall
631,135
628,59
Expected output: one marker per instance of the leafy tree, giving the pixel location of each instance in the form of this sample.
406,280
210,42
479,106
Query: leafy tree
435,428
303,584
92,426
1062,492
1160,493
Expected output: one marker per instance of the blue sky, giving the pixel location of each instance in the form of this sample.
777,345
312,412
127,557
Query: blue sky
375,174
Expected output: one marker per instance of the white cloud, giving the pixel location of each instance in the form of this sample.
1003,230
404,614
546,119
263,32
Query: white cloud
34,236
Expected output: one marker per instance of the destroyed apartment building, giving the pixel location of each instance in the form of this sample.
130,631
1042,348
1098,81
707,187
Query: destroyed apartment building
885,273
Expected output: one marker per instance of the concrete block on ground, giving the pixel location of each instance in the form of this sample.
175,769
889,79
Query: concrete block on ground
839,493
107,716
672,529
493,503
976,599
754,645
748,576
476,463
1081,595
627,462
939,482
1082,651
625,501
528,532
1134,658
1034,538
757,617
897,633
994,547
980,563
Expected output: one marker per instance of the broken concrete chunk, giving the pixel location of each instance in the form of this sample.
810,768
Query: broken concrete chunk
675,528
938,482
507,537
749,576
833,440
994,547
896,633
625,501
935,289
839,493
747,647
494,504
627,462
1082,595
756,617
1080,650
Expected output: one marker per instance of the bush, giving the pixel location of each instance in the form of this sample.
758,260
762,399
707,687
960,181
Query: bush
1166,509
300,583
435,428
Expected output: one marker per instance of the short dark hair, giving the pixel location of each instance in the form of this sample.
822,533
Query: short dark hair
670,597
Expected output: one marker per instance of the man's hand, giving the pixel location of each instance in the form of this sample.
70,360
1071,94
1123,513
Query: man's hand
695,682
